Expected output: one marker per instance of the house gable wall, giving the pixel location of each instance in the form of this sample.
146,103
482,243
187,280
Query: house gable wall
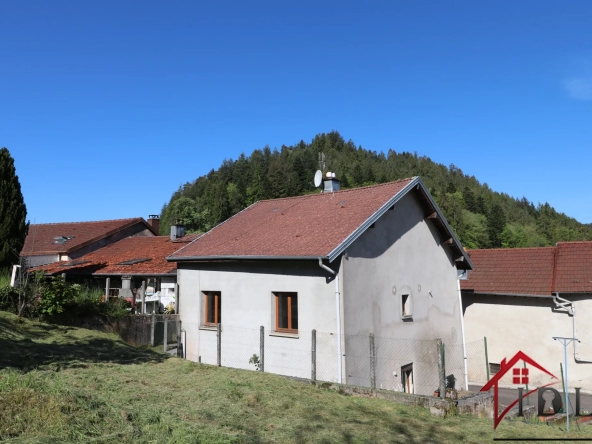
402,255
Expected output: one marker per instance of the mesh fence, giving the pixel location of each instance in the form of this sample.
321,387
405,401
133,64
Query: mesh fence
406,365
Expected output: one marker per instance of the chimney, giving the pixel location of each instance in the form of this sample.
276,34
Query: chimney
154,222
331,183
177,230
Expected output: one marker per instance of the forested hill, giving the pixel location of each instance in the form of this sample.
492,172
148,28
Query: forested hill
481,217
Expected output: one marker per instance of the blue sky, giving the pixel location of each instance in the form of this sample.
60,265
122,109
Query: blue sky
107,107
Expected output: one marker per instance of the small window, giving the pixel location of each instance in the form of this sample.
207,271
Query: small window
213,307
286,312
494,368
406,309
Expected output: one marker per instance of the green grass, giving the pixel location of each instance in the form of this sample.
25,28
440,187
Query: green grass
5,275
63,384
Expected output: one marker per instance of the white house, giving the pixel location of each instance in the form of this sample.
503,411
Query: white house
519,299
378,260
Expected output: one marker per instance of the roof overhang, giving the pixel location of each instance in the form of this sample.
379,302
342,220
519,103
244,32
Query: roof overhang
512,295
236,258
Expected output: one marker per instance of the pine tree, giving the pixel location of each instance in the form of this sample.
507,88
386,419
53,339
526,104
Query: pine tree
496,223
13,228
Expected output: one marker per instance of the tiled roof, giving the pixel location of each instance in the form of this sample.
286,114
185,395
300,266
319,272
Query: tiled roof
305,226
564,268
573,268
149,252
41,238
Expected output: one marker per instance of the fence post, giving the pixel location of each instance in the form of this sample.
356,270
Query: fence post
442,381
180,351
152,328
219,343
372,363
107,288
143,296
262,348
313,353
166,335
486,358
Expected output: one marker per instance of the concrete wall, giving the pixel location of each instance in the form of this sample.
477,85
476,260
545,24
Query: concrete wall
247,303
512,324
401,255
35,261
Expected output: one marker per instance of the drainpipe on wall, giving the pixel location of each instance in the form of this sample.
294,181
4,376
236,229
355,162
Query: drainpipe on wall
338,310
570,308
462,329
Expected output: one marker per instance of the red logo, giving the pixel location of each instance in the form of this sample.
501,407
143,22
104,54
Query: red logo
519,376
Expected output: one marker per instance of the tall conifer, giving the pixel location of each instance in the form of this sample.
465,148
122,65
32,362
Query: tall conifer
13,212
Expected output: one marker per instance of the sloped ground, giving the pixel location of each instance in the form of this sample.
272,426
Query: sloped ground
63,384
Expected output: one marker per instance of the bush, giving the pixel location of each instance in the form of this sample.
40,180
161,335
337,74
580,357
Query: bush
57,295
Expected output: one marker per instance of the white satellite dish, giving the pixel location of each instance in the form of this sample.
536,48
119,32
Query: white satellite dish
318,178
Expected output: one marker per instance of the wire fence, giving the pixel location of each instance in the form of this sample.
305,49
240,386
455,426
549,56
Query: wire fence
406,365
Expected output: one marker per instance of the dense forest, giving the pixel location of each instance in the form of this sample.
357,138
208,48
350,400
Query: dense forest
481,217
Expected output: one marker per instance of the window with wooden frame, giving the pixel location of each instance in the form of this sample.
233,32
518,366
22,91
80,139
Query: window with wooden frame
213,307
286,312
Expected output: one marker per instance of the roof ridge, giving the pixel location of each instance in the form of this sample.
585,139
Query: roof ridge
338,192
88,222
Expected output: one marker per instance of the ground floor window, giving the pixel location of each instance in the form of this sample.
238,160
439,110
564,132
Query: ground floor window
286,312
213,307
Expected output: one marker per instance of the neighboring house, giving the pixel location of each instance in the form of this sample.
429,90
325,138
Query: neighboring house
127,263
521,298
48,243
379,259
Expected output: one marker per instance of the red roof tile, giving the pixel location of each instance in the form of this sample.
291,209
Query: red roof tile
565,268
573,272
304,226
107,260
511,271
42,237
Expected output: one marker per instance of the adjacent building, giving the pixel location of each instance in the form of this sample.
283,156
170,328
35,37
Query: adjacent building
520,298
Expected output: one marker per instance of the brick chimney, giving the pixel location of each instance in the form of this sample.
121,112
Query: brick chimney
154,222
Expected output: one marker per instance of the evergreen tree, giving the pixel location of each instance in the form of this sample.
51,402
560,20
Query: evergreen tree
13,226
495,225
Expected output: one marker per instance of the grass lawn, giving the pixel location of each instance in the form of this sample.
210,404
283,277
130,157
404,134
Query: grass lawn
63,384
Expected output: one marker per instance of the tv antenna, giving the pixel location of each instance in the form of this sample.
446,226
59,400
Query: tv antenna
318,178
322,161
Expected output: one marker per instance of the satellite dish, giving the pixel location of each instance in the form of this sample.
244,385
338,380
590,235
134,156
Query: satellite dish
318,178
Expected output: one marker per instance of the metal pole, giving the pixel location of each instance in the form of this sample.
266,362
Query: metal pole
219,343
566,342
262,349
313,352
486,358
372,363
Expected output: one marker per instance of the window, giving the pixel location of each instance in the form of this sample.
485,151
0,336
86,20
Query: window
213,307
286,312
406,309
407,378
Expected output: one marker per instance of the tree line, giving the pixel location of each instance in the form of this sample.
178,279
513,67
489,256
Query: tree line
481,217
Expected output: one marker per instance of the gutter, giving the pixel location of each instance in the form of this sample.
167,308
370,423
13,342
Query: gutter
210,258
338,312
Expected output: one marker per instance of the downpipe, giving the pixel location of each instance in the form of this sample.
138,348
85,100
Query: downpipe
569,307
338,313
462,328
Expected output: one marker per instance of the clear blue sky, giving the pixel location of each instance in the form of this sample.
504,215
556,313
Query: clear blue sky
108,106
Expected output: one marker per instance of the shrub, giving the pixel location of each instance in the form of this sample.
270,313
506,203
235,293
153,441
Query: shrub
57,295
